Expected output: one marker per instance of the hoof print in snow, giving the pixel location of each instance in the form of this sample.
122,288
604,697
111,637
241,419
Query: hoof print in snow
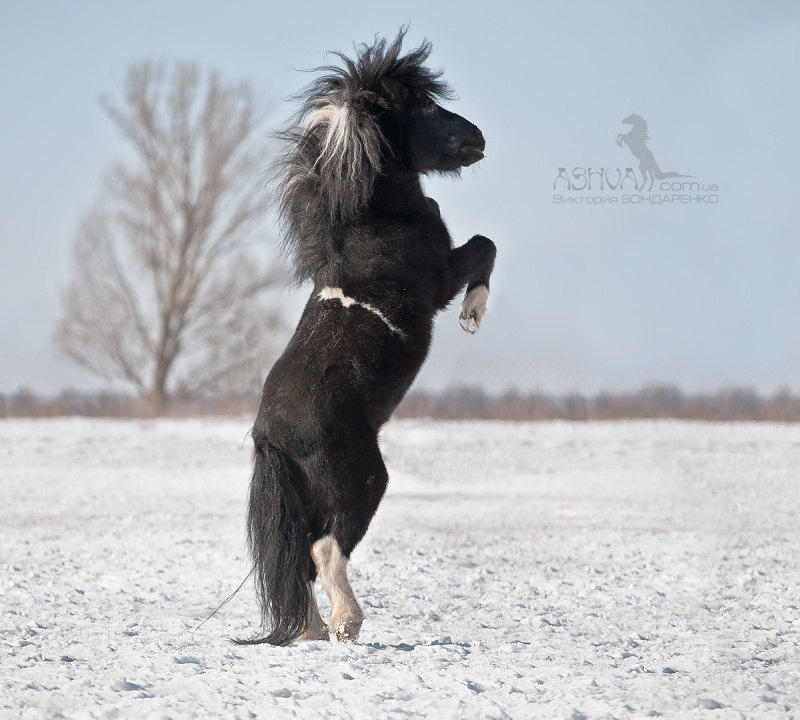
125,686
477,688
188,660
709,704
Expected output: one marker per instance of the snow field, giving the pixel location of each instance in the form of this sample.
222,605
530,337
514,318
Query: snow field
549,570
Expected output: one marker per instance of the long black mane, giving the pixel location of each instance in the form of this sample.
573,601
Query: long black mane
335,148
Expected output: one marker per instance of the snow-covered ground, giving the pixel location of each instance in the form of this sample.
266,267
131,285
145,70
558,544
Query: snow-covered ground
547,570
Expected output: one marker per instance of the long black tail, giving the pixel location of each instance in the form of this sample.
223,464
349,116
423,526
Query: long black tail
279,536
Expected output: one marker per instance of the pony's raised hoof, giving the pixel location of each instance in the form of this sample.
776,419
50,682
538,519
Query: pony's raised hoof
473,309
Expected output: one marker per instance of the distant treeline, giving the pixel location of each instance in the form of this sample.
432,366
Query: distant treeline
26,403
651,402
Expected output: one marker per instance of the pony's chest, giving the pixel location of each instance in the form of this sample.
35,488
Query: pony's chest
394,246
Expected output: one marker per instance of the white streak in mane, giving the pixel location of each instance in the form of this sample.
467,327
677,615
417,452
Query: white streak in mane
338,141
349,139
329,293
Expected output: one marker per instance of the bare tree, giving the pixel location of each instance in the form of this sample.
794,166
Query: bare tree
167,294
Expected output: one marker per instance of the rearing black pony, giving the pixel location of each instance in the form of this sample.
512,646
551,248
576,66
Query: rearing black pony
357,223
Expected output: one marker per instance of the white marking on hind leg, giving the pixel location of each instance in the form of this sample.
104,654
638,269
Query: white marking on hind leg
473,309
316,629
346,615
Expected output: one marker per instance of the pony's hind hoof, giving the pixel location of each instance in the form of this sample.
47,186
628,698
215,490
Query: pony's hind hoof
313,633
345,632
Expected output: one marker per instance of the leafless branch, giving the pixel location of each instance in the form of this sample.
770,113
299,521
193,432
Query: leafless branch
165,294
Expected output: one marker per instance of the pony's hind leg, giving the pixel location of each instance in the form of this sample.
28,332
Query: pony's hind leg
316,630
346,615
351,489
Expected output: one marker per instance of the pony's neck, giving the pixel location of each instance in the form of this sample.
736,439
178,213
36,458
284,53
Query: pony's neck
397,191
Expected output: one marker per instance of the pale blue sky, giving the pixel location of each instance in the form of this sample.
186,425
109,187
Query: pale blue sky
584,297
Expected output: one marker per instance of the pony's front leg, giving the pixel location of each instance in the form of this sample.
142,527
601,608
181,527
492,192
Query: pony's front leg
473,263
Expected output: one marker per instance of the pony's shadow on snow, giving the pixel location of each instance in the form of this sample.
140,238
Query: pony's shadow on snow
444,642
406,647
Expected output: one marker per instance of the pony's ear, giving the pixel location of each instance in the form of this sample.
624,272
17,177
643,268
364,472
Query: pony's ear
395,91
366,101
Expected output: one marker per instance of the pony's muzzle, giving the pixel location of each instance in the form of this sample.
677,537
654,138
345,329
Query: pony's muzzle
470,154
472,147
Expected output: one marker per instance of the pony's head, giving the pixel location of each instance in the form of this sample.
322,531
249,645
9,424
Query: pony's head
371,116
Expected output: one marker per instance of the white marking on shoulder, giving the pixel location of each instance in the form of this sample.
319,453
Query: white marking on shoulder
329,293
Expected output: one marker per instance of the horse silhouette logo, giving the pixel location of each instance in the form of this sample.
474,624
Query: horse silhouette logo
636,140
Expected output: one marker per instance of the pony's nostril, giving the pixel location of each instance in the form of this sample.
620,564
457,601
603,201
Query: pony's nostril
477,141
